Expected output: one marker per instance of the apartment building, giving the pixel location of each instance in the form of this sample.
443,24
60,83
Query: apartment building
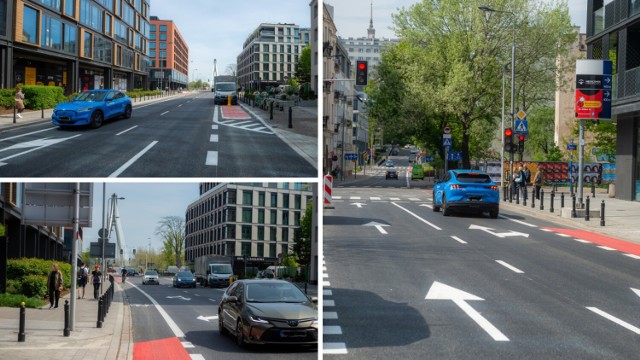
169,55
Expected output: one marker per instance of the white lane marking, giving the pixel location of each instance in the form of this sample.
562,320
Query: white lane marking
172,325
374,198
327,292
129,129
394,199
480,320
212,158
215,114
27,134
427,205
632,256
331,330
213,138
510,267
337,197
326,283
213,300
242,123
207,318
166,112
334,348
563,235
354,198
215,127
133,160
414,199
547,230
328,303
325,275
606,248
417,217
582,241
520,222
458,240
197,357
620,322
44,145
329,315
180,105
187,344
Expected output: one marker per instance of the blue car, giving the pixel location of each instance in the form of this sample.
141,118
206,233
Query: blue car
92,108
466,190
184,279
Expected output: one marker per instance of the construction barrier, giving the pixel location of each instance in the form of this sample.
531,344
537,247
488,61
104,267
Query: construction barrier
328,188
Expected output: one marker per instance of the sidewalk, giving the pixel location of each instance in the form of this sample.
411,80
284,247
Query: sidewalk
44,337
302,136
30,117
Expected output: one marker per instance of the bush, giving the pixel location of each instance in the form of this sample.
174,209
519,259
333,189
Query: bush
35,96
11,300
7,98
34,286
27,275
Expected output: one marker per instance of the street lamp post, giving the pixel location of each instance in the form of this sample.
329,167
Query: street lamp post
513,71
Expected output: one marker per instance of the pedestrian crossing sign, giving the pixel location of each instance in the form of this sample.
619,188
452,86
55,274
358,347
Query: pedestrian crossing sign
522,127
446,142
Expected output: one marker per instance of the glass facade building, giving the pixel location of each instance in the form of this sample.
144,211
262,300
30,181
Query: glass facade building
75,44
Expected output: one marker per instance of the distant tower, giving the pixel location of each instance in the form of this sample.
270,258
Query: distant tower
371,32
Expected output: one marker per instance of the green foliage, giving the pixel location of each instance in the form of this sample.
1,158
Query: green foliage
141,93
12,300
34,286
7,98
540,143
28,276
302,237
605,134
171,230
303,68
37,96
554,154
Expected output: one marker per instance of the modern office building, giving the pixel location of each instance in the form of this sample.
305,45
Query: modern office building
613,33
270,55
313,41
169,55
252,220
74,44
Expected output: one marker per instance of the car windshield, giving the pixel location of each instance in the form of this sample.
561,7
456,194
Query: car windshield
226,87
274,293
185,274
90,96
150,272
473,178
221,269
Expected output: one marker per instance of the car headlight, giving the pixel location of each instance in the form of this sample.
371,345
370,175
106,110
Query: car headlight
315,321
84,109
257,319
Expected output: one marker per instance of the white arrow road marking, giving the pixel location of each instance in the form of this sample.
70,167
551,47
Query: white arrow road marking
440,291
207,318
620,322
359,205
377,226
500,235
517,221
636,291
417,217
36,145
178,297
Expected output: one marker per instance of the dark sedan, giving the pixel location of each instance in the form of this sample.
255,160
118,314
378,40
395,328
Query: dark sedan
391,174
184,279
268,312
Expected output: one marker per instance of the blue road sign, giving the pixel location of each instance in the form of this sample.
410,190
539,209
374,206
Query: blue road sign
454,156
351,156
428,158
572,147
446,141
522,127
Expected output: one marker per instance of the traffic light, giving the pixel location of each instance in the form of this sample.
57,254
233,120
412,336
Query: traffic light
521,143
508,140
362,69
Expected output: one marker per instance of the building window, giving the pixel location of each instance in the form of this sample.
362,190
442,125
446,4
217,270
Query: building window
285,201
87,41
274,217
30,25
91,15
246,215
260,232
260,216
272,233
54,4
163,37
108,25
152,36
261,198
246,249
296,218
285,235
247,197
260,250
70,8
70,38
153,28
297,202
51,33
246,232
163,28
274,199
285,217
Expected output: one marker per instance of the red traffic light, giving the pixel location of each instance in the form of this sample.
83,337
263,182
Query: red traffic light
362,66
520,137
508,132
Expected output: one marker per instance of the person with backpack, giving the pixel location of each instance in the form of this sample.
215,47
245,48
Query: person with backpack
526,182
83,276
96,279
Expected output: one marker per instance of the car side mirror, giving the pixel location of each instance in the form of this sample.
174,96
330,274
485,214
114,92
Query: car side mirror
314,299
231,299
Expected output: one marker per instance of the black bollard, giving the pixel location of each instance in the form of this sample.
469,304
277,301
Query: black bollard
561,200
511,194
14,113
533,201
271,111
66,331
571,188
505,192
21,335
602,213
593,190
573,206
517,195
586,210
290,117
553,195
541,199
42,106
100,317
524,201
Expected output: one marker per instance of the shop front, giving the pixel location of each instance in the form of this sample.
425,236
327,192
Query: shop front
48,72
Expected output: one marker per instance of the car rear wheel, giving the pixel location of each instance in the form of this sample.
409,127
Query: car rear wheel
96,119
445,208
494,214
239,334
435,207
127,112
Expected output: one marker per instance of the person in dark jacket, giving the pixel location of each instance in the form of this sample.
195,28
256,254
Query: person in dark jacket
96,280
54,285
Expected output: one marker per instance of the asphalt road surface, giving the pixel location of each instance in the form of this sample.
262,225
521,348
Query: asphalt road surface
183,323
404,282
185,136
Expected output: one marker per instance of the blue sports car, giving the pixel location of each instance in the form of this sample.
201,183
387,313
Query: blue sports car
92,108
466,190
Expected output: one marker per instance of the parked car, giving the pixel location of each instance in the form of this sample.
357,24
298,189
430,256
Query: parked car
391,174
417,172
184,278
92,108
466,190
268,312
150,277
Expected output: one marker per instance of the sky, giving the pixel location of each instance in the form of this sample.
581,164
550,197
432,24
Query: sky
352,20
218,29
143,206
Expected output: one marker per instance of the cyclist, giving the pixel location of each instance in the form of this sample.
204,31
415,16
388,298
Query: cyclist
124,274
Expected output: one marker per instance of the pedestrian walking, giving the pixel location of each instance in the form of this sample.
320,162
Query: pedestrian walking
54,285
96,280
527,181
519,179
19,102
83,277
538,180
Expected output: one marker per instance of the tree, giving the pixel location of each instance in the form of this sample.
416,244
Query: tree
302,237
541,129
171,230
303,68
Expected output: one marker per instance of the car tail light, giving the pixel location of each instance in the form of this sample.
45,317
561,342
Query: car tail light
455,187
494,187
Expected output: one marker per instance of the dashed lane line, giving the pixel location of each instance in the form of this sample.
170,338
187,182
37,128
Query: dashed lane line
458,240
133,160
610,317
510,267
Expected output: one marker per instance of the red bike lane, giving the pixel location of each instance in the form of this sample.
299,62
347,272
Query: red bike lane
602,240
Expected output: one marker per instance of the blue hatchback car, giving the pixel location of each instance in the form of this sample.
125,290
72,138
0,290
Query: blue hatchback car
92,108
466,190
184,278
